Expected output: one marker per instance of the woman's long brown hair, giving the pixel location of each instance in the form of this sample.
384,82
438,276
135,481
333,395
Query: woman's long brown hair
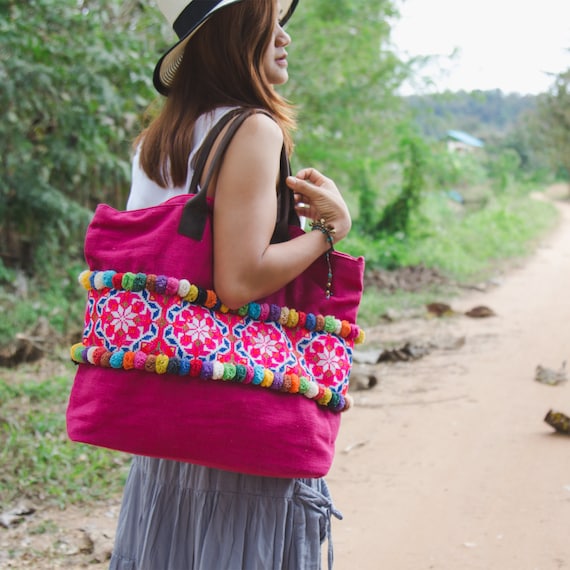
222,66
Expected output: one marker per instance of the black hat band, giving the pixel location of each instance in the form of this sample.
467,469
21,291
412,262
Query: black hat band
193,13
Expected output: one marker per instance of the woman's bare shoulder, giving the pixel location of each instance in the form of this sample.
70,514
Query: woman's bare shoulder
262,128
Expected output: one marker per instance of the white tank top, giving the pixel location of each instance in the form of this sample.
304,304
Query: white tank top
144,192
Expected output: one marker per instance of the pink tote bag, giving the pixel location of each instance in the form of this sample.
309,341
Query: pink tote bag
165,370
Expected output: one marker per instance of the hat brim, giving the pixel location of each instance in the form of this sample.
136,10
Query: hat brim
168,64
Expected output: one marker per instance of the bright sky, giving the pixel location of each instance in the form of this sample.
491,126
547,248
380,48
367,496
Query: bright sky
500,44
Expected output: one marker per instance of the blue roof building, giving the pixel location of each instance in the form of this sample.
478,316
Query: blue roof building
460,141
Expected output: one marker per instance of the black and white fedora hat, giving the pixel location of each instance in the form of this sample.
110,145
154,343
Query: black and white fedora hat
186,17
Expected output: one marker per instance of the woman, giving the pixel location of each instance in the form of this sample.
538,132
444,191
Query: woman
178,516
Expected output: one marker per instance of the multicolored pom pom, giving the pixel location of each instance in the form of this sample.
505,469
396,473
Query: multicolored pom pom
211,370
170,286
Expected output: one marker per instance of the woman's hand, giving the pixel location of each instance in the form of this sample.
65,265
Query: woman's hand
317,197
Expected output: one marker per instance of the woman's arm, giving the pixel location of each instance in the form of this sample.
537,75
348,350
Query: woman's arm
246,265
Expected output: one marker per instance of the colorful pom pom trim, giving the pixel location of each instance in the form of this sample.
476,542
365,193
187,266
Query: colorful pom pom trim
207,370
99,280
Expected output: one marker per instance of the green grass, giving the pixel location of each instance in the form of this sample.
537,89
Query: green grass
57,297
37,460
459,242
467,246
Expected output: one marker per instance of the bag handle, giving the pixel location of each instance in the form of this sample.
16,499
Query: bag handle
195,212
201,156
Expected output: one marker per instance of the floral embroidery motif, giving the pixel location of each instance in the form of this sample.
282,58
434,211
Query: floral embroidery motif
195,333
326,358
123,318
263,343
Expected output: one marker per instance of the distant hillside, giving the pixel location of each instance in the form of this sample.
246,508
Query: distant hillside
483,114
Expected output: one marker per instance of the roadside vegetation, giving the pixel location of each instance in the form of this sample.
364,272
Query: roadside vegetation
65,139
38,462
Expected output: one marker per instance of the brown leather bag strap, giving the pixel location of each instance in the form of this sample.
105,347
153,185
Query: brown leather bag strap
195,212
286,214
201,156
236,115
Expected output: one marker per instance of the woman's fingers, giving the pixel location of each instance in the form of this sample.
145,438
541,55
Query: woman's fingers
313,176
309,188
308,176
317,197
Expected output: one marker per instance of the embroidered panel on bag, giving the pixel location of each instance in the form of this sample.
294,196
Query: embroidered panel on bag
158,324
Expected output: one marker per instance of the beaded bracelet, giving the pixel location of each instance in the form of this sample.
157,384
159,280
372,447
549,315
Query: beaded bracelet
328,231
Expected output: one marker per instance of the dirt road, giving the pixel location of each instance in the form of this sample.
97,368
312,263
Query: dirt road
447,463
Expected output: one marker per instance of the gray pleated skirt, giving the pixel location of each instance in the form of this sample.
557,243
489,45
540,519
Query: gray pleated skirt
178,516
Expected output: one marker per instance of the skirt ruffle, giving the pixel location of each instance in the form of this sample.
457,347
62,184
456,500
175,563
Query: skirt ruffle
179,516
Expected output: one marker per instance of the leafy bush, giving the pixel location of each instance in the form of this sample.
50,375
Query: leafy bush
457,241
348,106
74,81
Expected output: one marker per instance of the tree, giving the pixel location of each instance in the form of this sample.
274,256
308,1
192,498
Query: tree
75,79
396,216
344,79
554,123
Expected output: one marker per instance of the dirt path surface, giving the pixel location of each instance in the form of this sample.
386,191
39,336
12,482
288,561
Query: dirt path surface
447,463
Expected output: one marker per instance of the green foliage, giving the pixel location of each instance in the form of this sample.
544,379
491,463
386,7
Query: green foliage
554,124
459,242
344,77
59,299
73,84
507,123
396,215
502,167
382,251
526,136
453,171
37,460
484,114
